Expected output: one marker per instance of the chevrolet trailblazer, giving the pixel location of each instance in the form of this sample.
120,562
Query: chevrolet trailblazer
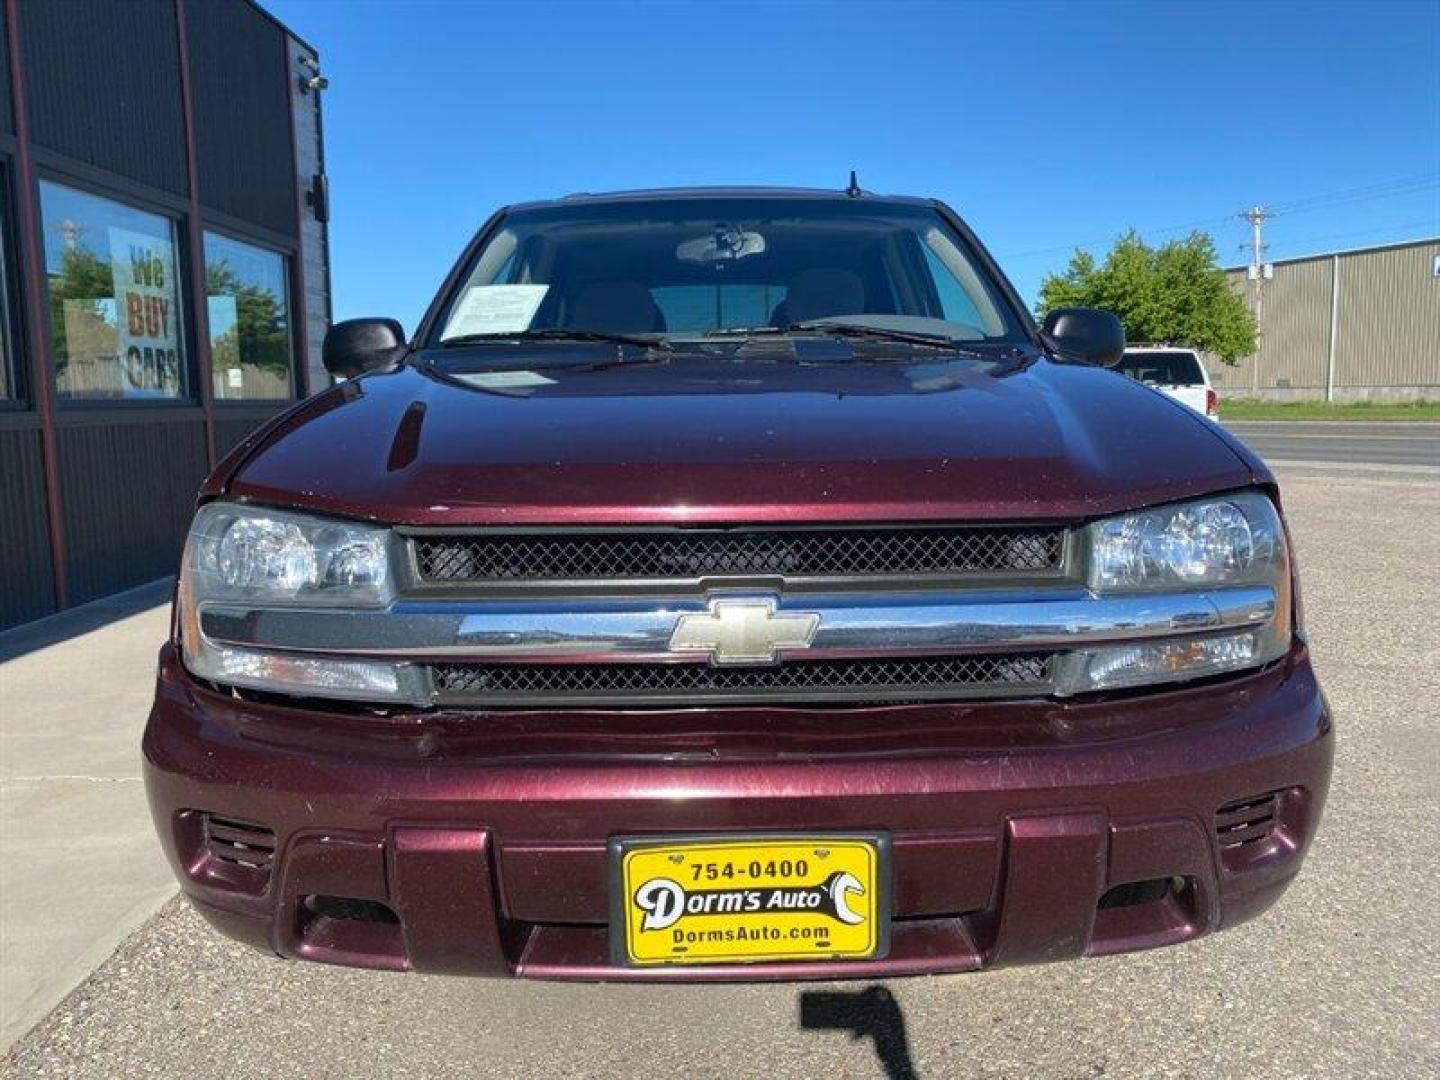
734,584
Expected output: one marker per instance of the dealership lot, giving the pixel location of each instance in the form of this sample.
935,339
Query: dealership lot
1342,978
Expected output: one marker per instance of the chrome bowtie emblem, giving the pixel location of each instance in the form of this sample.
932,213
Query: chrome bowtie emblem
743,632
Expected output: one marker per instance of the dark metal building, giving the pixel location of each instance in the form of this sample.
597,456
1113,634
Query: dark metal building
165,279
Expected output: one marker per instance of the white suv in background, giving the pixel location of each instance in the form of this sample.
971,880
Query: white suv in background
1175,372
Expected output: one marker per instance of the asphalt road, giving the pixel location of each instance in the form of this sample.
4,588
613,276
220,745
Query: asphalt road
1340,979
1342,441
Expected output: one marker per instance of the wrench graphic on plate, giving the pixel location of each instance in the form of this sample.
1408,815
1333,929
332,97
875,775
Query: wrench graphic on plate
838,886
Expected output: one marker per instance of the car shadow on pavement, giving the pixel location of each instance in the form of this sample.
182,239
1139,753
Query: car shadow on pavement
872,1013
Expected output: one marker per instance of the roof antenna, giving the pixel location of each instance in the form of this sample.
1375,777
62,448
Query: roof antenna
854,189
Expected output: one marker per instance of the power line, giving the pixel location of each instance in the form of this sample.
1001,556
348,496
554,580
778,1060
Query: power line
1431,222
1386,189
1107,239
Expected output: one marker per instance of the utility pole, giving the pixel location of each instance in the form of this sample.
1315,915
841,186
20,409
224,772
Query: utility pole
1256,216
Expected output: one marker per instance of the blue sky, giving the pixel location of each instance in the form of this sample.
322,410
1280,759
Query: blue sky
1045,125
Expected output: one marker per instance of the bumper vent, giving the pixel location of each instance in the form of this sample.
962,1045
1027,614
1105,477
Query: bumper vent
904,679
1248,821
239,843
941,551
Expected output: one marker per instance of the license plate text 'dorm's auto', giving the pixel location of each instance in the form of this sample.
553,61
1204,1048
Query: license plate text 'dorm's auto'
708,900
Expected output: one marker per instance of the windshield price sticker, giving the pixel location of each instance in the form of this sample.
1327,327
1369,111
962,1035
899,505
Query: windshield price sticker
494,309
734,901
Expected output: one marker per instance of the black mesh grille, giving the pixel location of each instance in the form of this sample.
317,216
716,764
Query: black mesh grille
905,678
862,553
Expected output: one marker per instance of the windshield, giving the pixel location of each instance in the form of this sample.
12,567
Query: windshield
678,268
1176,368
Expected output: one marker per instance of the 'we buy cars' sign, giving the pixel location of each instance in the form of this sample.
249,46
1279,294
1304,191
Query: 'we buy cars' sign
143,268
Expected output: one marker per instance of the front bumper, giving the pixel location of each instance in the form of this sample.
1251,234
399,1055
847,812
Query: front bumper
485,833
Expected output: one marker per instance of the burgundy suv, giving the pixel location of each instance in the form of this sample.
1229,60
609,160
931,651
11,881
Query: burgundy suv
734,584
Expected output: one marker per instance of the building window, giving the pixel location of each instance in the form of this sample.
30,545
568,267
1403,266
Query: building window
116,324
252,352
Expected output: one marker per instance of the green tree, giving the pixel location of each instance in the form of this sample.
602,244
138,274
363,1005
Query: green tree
1175,293
261,334
82,287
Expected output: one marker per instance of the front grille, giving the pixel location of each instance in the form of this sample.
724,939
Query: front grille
1247,821
681,554
899,679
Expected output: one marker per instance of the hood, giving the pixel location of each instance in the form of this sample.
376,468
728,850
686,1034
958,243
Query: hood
753,442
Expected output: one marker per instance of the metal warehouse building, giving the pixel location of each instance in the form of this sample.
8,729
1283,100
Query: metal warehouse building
1344,326
166,281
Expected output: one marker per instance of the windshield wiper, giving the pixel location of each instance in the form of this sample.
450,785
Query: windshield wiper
881,333
559,334
855,330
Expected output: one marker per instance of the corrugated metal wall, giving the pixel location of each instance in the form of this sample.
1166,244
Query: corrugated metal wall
129,493
1389,319
26,582
1388,327
232,425
238,82
7,120
1294,342
103,86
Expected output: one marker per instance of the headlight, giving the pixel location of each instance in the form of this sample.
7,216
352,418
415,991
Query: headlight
1222,546
1231,541
276,558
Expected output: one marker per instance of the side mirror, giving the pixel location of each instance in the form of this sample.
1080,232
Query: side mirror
356,346
1087,334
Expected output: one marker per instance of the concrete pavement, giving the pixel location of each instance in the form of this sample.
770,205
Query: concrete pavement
1348,442
79,867
1341,979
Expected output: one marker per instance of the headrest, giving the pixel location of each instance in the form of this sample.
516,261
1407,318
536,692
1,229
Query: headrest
823,293
620,307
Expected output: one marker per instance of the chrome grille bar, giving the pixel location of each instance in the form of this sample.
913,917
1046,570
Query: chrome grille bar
599,630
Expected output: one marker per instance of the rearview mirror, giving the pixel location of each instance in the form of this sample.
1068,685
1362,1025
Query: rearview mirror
720,246
356,346
1086,334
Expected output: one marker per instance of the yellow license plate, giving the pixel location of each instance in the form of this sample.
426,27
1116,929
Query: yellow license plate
714,900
